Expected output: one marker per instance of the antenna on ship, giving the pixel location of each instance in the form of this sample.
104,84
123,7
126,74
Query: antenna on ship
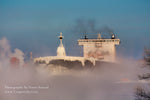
99,36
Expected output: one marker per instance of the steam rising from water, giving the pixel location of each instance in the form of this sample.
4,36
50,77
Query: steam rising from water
106,82
6,54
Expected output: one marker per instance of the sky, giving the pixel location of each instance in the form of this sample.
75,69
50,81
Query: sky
33,25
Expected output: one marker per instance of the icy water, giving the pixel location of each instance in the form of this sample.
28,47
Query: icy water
106,81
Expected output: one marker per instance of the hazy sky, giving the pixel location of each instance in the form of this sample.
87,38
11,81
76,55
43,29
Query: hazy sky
33,25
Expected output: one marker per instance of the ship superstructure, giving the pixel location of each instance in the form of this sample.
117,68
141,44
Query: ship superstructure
100,47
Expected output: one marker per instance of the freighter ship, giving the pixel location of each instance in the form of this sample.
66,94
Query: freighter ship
95,51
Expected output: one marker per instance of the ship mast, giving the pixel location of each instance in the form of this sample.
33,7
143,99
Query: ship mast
61,50
60,38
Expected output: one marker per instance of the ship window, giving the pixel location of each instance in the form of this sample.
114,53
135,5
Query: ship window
98,44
